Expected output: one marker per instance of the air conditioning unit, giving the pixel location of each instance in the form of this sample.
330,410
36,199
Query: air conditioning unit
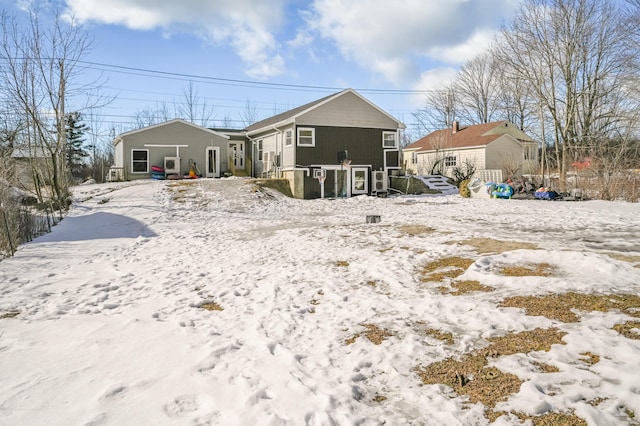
172,165
380,180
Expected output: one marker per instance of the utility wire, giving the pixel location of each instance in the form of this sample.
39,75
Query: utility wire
234,82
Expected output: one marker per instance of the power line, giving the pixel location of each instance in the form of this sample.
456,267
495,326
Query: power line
246,83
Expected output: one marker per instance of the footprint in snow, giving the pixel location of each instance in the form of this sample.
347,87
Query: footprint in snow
115,393
188,406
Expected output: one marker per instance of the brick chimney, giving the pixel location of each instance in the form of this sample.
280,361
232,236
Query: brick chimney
454,127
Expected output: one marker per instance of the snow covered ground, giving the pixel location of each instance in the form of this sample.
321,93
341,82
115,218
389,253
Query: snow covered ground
101,321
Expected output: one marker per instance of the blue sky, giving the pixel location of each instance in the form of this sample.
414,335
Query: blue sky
279,53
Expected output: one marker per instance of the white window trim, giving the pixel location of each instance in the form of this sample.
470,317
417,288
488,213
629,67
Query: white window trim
288,137
259,149
414,158
313,136
147,169
395,140
454,161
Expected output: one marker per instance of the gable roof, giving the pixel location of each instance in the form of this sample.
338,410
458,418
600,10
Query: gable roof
290,116
166,123
472,136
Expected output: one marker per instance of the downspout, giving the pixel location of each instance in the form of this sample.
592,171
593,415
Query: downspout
253,161
279,132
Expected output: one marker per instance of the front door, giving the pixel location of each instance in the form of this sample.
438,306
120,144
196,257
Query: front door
237,155
359,180
213,162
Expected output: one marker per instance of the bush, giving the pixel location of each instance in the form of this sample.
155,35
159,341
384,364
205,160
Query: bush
464,189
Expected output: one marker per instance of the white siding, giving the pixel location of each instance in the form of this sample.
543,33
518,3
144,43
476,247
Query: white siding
270,144
118,155
504,151
426,161
289,152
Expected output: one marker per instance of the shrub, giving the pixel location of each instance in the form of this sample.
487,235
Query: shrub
464,189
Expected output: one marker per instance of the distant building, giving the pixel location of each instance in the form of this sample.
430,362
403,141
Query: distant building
498,146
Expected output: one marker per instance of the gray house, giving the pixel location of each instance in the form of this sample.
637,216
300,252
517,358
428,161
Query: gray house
340,145
337,146
176,146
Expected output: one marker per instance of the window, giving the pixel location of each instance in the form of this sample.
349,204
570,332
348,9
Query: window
414,158
288,137
260,150
451,161
389,140
139,161
306,136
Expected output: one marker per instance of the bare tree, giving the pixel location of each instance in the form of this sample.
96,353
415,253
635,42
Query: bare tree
41,66
573,52
193,107
476,90
440,110
250,113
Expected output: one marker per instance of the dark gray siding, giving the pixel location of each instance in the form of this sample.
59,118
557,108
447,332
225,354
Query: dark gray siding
364,146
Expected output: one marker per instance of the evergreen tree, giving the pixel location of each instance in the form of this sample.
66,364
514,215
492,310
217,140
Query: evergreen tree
76,151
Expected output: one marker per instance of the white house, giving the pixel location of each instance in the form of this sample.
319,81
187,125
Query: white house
498,147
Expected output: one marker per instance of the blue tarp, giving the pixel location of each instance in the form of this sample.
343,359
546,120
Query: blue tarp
545,195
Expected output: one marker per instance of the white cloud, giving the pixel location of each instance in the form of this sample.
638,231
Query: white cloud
247,25
394,38
432,79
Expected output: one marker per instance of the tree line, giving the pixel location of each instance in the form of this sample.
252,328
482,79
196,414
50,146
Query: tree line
566,73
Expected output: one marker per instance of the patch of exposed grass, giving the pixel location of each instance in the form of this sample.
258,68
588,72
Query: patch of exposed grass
448,267
630,329
211,306
553,419
379,398
372,283
597,401
180,184
560,306
635,260
375,334
342,263
415,230
469,286
10,314
545,368
489,245
470,375
539,339
630,413
589,358
529,270
444,336
442,275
